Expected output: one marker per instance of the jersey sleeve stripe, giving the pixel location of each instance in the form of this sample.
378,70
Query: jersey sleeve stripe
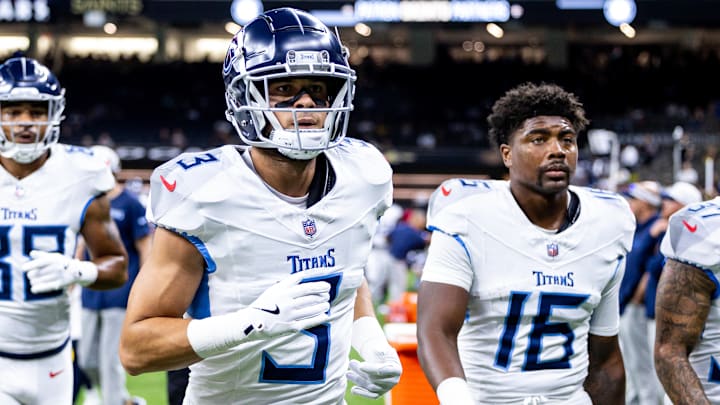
455,236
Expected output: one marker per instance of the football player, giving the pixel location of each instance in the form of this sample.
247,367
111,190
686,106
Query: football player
687,309
103,312
518,302
51,193
263,248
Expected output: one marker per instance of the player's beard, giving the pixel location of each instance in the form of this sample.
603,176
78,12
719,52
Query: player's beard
547,186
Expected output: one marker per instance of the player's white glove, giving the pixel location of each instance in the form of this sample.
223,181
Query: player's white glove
286,307
380,369
53,271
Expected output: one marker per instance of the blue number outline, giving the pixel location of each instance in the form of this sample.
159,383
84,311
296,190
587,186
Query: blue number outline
29,232
314,373
5,268
541,326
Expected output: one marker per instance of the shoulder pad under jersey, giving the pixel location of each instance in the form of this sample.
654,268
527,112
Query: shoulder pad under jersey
173,182
453,190
609,209
693,235
364,159
81,163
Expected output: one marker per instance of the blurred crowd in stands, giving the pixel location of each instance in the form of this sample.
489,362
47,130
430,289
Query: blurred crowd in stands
437,111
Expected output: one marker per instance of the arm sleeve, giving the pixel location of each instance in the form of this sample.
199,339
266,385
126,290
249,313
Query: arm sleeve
448,261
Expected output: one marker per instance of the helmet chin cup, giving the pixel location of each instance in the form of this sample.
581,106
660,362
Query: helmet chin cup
295,154
23,154
300,144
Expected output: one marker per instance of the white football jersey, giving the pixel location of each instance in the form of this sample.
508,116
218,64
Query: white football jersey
693,237
535,294
251,239
43,211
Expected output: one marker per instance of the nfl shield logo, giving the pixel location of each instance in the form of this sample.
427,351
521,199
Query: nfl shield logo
552,249
309,227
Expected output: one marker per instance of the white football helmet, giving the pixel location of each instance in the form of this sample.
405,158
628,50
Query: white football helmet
25,79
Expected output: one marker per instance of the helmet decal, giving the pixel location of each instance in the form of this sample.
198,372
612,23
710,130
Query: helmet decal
232,57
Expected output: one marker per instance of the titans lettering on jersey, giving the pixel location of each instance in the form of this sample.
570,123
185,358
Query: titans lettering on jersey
43,211
329,241
693,237
536,294
543,278
306,263
26,214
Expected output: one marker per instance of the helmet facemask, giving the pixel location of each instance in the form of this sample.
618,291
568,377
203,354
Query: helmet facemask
250,111
29,152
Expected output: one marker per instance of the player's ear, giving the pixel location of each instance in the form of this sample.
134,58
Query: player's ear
506,153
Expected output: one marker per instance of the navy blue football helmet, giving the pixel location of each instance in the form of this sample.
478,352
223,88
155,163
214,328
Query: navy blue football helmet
25,79
286,43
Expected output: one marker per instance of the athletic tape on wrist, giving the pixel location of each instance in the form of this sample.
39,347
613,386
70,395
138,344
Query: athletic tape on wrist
454,391
217,334
367,332
87,271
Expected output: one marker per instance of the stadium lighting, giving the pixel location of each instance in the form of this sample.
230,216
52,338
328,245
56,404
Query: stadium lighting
143,47
517,11
206,48
495,30
14,42
619,12
94,18
232,28
628,30
363,29
432,10
110,28
579,4
243,11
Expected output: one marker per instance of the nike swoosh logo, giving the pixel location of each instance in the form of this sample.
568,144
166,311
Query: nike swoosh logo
446,192
275,311
168,185
55,374
691,228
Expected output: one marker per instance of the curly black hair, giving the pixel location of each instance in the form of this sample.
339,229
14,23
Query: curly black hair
531,100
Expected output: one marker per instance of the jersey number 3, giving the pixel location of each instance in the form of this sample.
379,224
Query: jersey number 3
541,326
314,373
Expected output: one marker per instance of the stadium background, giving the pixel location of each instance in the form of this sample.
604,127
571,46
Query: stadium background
144,77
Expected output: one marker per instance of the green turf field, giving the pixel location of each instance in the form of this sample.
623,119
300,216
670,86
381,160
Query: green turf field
151,386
